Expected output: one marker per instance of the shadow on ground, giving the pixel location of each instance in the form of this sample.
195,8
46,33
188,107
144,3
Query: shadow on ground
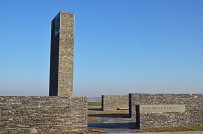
110,115
128,125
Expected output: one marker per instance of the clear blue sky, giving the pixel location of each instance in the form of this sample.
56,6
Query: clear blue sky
121,46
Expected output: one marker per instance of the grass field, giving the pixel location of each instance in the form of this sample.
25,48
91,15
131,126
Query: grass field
94,103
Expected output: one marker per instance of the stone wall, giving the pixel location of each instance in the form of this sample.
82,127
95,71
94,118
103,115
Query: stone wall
42,114
193,114
114,102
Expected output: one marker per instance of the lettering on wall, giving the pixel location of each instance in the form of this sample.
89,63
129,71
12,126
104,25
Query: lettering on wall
162,108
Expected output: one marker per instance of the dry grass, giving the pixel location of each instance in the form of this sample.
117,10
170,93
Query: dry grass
90,131
108,112
92,118
175,129
96,115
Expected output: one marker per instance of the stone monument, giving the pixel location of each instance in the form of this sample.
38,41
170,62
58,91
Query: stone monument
55,113
61,65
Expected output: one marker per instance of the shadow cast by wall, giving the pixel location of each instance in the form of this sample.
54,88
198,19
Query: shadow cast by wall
127,125
111,115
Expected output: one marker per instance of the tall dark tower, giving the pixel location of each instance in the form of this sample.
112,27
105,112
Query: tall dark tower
62,45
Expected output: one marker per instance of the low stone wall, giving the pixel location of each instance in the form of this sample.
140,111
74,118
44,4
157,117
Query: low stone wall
114,102
42,114
168,113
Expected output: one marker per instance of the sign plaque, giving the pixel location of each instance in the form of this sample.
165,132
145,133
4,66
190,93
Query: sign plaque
162,108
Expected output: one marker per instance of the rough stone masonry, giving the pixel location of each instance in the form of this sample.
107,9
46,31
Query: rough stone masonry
166,110
23,114
115,102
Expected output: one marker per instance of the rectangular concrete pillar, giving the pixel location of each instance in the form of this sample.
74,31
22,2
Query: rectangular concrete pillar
62,45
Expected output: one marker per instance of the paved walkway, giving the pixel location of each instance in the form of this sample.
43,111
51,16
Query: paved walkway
184,132
120,123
